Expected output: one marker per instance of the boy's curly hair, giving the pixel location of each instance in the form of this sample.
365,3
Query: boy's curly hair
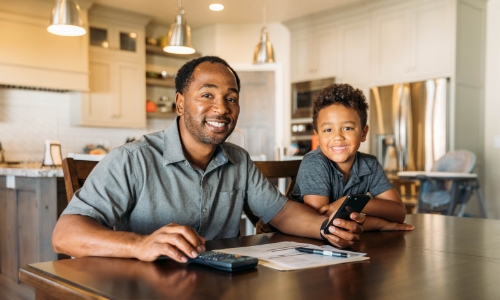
185,73
341,94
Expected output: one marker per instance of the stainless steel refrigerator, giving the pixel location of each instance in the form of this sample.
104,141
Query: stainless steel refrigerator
408,124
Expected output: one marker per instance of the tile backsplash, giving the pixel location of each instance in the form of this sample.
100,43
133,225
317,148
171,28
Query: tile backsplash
28,118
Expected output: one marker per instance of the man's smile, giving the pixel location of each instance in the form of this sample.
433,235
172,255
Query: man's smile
216,124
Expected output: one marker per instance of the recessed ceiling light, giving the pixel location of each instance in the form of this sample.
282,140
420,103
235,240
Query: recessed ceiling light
216,7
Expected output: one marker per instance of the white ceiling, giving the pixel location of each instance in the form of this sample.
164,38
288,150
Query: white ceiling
235,11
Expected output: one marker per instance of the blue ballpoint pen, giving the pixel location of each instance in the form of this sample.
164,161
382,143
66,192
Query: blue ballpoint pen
322,252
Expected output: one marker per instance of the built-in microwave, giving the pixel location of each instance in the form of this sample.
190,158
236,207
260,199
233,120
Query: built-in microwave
303,94
302,131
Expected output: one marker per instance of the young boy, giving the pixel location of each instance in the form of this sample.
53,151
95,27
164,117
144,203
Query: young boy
336,169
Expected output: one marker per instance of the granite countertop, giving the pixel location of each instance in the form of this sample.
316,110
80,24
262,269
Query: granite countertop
30,170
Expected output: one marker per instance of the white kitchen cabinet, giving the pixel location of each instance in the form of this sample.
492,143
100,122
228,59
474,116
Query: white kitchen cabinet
124,40
302,57
117,95
392,45
412,42
117,82
315,55
433,40
377,43
354,53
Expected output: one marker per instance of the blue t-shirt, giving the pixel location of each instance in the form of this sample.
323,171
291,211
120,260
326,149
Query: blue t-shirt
320,176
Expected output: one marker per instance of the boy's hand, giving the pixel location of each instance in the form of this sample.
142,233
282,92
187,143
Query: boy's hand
329,209
345,233
390,226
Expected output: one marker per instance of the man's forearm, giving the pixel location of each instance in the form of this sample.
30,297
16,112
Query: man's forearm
78,236
299,219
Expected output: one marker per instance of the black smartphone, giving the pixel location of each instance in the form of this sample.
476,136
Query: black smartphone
353,203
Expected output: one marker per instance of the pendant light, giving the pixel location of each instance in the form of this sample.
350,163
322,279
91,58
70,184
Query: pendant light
178,39
264,50
66,19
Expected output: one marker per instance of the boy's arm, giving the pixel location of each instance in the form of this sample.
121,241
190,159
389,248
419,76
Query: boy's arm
301,220
316,202
374,223
388,206
371,223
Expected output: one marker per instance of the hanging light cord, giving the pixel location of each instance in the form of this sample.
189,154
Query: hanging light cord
264,12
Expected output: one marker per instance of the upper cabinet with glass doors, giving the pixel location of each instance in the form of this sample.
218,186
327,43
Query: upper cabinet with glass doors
117,60
112,38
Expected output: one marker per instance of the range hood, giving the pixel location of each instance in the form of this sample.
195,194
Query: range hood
33,58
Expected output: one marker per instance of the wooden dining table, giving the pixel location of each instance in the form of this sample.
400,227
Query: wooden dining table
444,257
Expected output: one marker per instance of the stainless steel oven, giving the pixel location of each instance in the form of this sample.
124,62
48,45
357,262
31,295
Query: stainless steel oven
303,94
302,133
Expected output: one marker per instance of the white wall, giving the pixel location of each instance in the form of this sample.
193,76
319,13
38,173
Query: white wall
28,118
492,109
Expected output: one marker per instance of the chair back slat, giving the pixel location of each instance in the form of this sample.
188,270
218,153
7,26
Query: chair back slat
274,169
280,169
75,174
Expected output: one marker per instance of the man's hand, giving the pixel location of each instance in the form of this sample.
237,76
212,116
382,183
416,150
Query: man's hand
345,233
173,240
79,236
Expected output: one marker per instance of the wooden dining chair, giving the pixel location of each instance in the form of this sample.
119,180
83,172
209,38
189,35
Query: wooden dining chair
272,170
75,174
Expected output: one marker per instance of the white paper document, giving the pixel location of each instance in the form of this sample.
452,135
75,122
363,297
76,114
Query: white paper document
283,256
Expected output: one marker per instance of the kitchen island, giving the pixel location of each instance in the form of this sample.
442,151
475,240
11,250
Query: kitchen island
31,199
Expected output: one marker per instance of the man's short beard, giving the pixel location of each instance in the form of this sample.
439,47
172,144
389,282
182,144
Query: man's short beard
200,135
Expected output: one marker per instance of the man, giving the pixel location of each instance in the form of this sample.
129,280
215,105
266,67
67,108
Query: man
167,193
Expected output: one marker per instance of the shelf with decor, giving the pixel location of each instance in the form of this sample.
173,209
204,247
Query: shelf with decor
165,82
161,68
160,115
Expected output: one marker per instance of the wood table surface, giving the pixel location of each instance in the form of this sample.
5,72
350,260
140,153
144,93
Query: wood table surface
443,258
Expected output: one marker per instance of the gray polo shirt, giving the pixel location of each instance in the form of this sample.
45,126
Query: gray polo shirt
320,176
144,185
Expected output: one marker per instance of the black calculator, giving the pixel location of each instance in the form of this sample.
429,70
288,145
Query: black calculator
224,261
